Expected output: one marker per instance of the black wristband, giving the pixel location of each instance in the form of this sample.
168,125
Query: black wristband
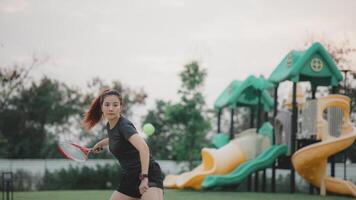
143,176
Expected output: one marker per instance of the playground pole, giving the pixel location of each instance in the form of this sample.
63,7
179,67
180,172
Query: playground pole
264,170
258,127
313,92
274,137
311,186
346,92
252,119
266,117
256,181
219,120
259,110
293,134
232,124
332,159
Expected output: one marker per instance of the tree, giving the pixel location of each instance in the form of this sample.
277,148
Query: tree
189,113
160,141
26,120
36,114
13,79
183,124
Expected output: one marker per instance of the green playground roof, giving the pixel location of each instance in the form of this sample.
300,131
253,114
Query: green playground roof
245,94
228,95
314,65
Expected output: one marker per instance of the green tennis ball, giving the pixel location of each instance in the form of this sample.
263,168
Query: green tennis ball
149,129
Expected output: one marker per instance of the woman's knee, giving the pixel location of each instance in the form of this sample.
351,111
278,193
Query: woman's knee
119,196
153,193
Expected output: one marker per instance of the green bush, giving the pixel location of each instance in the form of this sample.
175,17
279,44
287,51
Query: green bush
101,177
23,181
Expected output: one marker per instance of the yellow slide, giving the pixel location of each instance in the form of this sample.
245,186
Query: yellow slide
219,161
311,162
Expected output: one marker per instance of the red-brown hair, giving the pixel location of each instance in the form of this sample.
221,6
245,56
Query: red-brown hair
94,114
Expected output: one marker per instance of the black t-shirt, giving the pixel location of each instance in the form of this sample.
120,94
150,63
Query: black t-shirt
119,145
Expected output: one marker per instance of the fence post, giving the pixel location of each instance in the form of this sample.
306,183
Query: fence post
7,186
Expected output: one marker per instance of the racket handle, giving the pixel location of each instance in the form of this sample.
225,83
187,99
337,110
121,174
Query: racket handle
97,150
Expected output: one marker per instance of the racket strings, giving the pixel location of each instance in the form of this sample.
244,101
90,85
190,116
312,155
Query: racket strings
73,152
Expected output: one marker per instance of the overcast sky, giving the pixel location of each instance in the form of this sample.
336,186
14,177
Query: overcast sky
145,43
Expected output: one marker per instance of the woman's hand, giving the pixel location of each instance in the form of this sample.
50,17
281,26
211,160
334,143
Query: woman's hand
143,186
97,148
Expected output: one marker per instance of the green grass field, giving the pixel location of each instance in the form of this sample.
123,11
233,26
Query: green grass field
170,195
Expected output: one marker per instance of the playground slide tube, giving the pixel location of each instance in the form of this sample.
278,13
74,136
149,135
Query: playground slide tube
263,161
214,161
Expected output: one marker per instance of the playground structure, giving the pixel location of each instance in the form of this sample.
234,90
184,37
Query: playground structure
224,159
315,66
249,93
302,145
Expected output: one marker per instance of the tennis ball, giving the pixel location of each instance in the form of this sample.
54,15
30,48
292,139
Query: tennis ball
149,129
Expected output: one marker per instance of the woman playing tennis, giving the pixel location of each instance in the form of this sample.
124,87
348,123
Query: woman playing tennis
141,176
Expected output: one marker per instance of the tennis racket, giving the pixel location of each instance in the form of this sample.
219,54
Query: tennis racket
74,152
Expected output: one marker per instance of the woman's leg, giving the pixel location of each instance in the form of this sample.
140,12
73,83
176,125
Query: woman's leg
153,193
119,196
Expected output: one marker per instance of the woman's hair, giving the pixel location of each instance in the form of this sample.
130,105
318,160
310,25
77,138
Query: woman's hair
94,114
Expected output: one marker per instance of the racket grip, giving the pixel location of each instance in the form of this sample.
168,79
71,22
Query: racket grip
97,149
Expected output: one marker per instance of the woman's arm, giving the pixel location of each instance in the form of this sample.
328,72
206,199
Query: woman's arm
139,143
144,151
99,146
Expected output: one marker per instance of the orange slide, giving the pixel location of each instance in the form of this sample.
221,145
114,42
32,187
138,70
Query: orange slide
311,162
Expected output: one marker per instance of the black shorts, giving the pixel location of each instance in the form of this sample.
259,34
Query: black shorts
130,182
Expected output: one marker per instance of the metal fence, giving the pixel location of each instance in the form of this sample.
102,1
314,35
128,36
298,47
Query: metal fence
38,166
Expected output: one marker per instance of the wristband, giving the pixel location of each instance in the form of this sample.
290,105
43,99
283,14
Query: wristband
143,176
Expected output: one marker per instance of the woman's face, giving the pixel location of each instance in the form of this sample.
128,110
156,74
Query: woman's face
111,107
